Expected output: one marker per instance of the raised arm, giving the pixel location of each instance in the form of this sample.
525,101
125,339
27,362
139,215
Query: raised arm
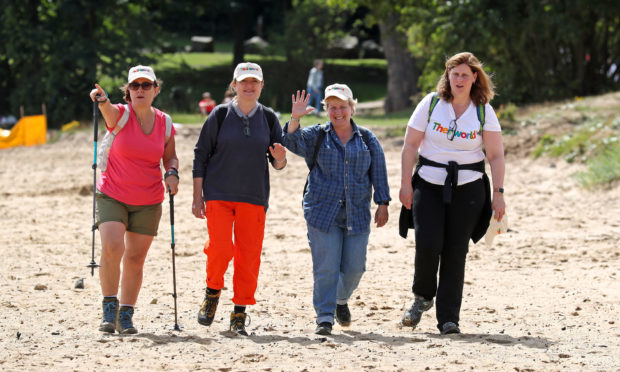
110,112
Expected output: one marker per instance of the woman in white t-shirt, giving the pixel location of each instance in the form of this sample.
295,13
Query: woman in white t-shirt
449,190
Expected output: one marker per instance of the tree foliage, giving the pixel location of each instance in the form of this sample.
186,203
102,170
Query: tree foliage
537,50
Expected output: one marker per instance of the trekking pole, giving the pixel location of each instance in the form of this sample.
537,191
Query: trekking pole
93,264
174,274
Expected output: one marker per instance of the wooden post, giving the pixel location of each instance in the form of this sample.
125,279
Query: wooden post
21,111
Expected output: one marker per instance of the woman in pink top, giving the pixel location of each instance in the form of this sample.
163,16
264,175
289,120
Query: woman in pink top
130,193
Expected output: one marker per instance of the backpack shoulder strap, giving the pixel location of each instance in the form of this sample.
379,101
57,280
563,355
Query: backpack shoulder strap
270,116
220,115
317,145
365,136
168,126
434,102
480,111
123,120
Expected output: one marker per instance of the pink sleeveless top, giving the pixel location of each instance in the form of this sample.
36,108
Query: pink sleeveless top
134,174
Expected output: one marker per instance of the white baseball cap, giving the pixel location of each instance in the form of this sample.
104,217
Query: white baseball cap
245,70
495,229
137,72
341,91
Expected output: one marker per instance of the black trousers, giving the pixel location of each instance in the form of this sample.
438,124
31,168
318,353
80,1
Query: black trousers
442,234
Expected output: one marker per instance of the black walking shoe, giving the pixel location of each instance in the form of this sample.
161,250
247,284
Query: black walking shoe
413,315
343,315
450,328
208,307
237,323
124,323
110,311
324,329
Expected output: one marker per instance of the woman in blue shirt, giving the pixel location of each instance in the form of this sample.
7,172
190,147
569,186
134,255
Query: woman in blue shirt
346,162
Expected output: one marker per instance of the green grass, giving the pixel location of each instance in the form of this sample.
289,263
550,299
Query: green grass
603,169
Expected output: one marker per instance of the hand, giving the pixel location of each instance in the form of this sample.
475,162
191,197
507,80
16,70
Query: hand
172,184
99,93
198,208
499,206
278,152
406,195
381,215
300,105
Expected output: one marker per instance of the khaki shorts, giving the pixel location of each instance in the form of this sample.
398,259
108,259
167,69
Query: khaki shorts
141,219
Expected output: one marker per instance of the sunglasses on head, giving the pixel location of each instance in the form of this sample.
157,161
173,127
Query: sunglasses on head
147,85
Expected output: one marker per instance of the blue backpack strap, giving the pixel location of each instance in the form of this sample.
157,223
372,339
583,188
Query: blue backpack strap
480,111
434,102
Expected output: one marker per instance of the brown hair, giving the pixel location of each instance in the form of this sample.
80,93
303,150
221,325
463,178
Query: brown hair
482,90
125,89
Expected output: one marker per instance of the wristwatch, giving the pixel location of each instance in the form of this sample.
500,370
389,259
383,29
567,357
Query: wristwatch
384,202
499,189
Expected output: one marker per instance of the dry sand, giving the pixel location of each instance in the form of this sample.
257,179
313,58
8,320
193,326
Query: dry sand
545,296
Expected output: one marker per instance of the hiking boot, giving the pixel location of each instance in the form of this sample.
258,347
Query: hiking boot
450,328
208,307
110,311
343,315
324,329
237,323
413,315
124,323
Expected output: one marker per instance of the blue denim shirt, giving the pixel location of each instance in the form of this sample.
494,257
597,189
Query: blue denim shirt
341,173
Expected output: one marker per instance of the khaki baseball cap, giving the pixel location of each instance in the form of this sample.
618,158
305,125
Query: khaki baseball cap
495,229
245,70
137,72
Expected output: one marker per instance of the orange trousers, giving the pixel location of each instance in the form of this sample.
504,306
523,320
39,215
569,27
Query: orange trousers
246,223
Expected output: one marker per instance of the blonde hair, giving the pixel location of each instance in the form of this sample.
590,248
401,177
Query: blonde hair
482,90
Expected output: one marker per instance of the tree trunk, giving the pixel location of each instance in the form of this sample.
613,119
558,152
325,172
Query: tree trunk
401,68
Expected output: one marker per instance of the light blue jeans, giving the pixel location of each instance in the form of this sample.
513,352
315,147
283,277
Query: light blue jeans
338,263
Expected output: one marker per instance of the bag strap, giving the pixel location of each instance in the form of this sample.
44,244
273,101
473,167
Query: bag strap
122,121
168,126
317,146
480,111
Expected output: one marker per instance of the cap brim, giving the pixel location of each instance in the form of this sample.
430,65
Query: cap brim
337,95
245,76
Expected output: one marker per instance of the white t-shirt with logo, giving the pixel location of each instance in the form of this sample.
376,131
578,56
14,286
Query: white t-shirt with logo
465,147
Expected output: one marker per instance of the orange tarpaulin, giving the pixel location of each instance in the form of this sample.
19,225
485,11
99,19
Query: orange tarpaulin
29,130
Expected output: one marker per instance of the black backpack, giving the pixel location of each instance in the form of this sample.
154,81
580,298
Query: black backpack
220,113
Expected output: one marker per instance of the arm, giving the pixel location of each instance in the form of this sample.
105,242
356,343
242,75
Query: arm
109,112
171,162
198,204
378,177
413,139
299,109
495,153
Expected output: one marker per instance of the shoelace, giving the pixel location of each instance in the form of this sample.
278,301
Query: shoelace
124,317
109,311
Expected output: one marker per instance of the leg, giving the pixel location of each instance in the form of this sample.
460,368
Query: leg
112,248
137,246
220,216
249,230
428,218
326,248
352,266
462,216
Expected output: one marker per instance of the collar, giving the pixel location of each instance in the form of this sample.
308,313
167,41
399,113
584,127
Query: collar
239,113
330,127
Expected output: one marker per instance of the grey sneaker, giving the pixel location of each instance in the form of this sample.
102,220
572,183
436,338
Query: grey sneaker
449,328
324,329
110,312
413,315
124,323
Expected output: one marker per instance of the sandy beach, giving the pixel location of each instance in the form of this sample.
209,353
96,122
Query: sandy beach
545,296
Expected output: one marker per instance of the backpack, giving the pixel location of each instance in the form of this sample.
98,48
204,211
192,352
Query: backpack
220,115
317,146
480,111
108,139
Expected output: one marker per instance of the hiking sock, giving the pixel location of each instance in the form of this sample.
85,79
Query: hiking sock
239,309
